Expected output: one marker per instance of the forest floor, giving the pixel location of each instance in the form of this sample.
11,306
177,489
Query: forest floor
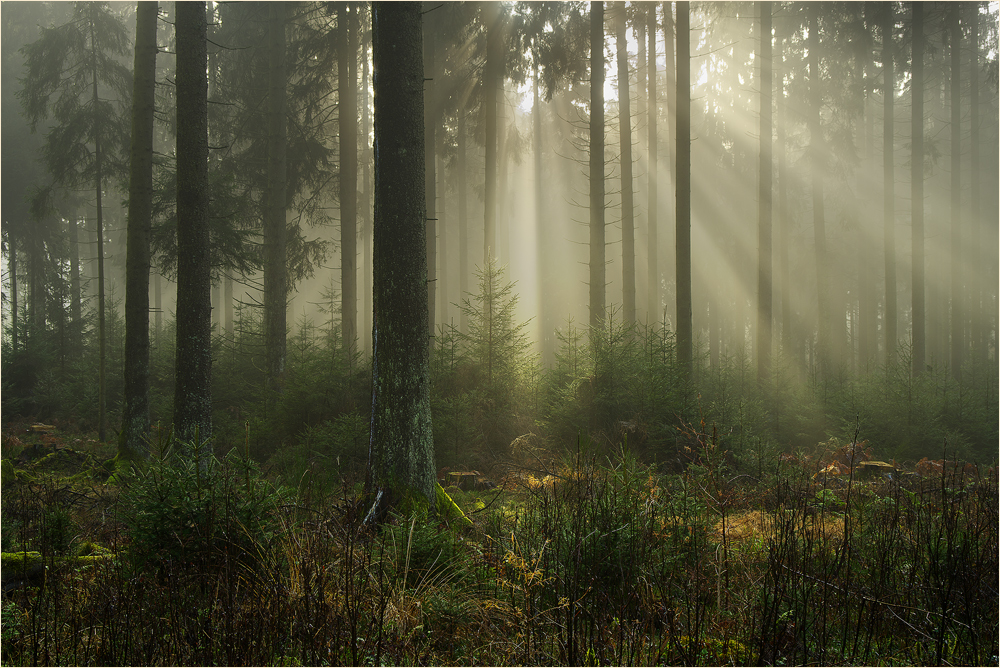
595,560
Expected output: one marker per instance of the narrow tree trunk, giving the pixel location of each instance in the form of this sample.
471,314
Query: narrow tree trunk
157,305
817,149
682,178
764,291
625,132
787,317
135,418
494,52
193,391
366,209
227,299
597,251
430,168
463,223
978,327
75,289
889,180
401,454
917,190
442,233
275,271
652,235
101,333
545,273
957,256
12,268
348,131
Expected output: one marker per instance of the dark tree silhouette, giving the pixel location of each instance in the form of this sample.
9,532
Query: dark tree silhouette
401,450
597,232
685,336
764,262
917,189
193,391
135,419
889,179
347,57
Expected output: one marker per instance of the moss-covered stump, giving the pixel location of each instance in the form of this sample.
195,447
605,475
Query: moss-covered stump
30,566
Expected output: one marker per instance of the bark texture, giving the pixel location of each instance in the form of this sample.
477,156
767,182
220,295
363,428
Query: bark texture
401,450
135,418
193,393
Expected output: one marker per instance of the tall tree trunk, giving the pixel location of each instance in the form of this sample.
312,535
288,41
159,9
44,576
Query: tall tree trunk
917,190
784,224
443,235
652,206
597,251
463,223
494,53
193,390
135,418
275,227
866,284
157,306
545,274
366,209
227,305
401,453
682,179
430,166
75,289
625,132
101,331
764,291
978,322
957,256
12,268
670,163
347,35
889,180
817,150
641,146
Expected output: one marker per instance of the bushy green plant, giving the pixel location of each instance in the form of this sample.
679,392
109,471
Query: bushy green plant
191,509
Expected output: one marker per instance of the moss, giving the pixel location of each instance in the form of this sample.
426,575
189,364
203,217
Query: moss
8,473
448,509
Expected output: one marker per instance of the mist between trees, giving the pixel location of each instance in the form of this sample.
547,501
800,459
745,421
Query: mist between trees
785,239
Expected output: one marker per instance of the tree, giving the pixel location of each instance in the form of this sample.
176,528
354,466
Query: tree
135,420
889,180
75,62
401,449
275,226
685,336
492,77
625,130
917,188
957,259
652,237
764,262
347,58
597,250
817,154
193,391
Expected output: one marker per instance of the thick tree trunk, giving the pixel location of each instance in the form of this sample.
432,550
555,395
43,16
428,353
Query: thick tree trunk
625,132
957,256
889,181
685,335
401,453
348,130
597,250
917,191
193,391
978,327
764,262
135,419
275,227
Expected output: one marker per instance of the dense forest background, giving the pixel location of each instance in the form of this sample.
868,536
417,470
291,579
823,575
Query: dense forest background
837,278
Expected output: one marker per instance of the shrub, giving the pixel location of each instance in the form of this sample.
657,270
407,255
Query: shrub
186,508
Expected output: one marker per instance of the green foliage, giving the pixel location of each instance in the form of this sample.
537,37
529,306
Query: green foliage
187,509
486,373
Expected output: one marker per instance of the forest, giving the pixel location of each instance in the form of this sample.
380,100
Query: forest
514,333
